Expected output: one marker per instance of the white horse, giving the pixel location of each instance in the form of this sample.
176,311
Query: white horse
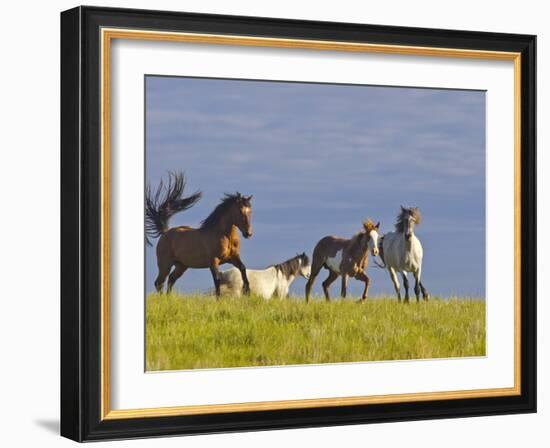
273,281
402,252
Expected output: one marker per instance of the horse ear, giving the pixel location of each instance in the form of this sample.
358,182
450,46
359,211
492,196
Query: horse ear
377,225
249,198
402,208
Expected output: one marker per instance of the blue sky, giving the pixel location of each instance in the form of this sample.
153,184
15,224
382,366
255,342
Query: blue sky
319,158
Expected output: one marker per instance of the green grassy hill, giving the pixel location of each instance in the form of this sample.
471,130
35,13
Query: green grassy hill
196,331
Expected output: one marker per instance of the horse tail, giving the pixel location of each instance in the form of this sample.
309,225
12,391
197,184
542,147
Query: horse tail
165,202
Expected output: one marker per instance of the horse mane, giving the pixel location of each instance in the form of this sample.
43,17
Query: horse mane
369,225
355,240
221,209
413,211
292,265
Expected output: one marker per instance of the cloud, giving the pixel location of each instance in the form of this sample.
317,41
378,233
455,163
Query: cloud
363,130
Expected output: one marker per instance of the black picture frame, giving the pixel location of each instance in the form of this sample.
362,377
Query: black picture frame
81,226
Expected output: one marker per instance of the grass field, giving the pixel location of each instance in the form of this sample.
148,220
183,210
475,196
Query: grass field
194,331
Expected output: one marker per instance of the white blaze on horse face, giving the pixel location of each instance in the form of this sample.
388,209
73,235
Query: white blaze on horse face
334,262
373,242
246,225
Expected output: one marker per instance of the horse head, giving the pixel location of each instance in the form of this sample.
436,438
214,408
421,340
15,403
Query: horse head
305,266
371,235
407,219
242,214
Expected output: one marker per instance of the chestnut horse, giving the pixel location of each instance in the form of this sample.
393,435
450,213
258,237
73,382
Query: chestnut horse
344,257
214,243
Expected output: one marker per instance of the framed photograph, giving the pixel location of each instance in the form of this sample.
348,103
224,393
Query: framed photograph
273,223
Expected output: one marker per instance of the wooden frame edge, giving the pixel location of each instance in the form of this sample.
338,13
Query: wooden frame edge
306,403
107,35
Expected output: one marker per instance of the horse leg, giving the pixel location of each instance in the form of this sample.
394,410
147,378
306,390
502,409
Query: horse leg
241,267
425,294
315,268
329,281
416,285
284,294
164,270
395,281
420,287
178,271
344,286
406,286
364,278
216,276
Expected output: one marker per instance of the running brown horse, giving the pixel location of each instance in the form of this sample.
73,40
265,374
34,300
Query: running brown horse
214,243
346,258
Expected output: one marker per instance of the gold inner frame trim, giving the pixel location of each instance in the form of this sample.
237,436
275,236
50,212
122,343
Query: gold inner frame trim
107,35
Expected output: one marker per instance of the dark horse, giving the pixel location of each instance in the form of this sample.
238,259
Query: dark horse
214,243
345,257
